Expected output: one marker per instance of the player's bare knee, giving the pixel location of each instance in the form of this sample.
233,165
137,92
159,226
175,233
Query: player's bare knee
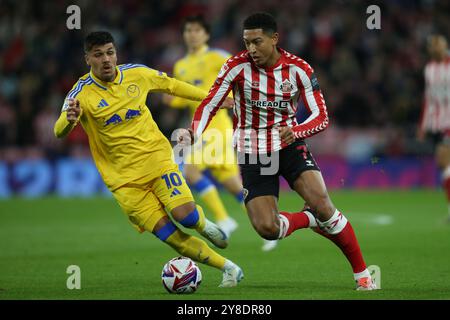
264,227
189,177
268,235
180,212
323,207
192,174
268,230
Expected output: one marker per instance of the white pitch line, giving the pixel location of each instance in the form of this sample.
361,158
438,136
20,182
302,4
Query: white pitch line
373,218
382,220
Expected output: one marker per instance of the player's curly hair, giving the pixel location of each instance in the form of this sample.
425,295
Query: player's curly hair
200,19
261,20
97,38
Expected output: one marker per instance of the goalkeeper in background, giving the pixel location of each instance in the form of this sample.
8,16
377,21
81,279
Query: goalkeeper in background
215,152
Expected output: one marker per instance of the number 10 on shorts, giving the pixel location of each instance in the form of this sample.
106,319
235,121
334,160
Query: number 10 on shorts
172,180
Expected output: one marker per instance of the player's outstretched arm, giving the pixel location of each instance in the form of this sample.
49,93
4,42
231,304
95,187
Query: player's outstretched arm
159,82
68,119
176,102
185,90
187,136
217,98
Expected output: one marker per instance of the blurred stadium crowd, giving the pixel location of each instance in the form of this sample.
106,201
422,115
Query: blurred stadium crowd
372,80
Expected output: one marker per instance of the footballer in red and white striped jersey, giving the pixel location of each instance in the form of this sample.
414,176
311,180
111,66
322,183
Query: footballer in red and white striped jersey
268,83
436,107
266,98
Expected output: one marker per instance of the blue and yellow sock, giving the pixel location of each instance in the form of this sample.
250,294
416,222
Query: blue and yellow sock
190,246
195,219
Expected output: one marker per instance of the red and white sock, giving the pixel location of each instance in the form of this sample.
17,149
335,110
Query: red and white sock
289,222
339,230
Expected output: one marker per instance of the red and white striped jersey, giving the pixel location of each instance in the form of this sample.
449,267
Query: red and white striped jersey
265,99
436,104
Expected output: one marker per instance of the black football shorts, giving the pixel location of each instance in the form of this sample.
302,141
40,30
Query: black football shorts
260,173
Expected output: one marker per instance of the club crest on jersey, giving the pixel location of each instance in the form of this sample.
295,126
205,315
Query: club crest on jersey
286,86
133,91
255,84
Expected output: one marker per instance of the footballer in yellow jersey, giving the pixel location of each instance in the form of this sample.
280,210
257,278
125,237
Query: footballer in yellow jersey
132,155
200,67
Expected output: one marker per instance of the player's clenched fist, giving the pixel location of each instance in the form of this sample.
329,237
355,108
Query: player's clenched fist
228,103
185,136
73,110
286,135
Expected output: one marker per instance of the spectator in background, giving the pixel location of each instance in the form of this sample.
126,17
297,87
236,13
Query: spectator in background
7,124
385,66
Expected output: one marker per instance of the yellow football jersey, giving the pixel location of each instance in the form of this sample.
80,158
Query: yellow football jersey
201,69
125,141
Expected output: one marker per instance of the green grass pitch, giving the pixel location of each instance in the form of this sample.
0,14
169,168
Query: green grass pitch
403,232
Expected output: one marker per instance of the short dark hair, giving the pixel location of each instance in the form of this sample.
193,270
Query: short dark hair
97,38
261,20
200,19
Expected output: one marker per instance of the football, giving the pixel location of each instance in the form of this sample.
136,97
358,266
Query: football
181,275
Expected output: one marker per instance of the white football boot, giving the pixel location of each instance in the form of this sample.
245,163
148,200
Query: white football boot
213,233
232,276
365,284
